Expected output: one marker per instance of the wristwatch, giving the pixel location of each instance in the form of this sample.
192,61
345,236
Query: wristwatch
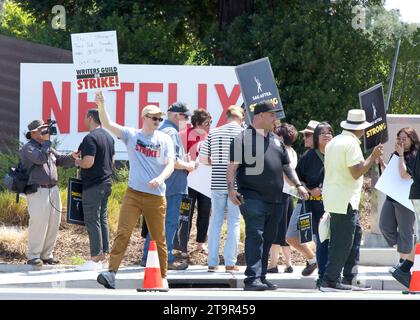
298,185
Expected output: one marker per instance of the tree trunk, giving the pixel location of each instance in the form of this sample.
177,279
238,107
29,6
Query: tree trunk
230,9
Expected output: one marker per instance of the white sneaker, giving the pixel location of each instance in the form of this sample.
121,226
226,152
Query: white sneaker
89,266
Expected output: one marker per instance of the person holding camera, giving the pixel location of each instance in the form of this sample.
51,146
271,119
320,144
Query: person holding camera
258,159
43,197
97,156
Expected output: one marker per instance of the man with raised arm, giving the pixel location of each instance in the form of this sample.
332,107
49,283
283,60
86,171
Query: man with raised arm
151,156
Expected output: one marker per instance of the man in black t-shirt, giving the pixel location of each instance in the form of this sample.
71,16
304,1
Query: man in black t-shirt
257,160
96,163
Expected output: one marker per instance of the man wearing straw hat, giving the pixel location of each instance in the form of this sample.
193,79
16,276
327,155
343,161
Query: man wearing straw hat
344,170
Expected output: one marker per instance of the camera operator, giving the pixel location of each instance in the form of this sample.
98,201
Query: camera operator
44,204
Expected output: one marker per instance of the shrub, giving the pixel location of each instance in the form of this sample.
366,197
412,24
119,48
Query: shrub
12,213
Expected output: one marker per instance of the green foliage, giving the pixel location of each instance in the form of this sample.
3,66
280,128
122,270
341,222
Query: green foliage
121,172
64,175
76,260
320,61
7,160
12,213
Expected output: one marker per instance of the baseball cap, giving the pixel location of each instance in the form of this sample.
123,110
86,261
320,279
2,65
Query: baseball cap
180,107
151,109
265,106
36,124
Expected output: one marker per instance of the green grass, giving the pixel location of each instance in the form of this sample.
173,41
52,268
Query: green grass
76,260
12,213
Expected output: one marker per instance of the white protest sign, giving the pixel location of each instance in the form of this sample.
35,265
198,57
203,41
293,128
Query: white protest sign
95,60
200,179
391,183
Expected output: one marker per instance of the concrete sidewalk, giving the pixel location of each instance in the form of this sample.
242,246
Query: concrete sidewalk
131,277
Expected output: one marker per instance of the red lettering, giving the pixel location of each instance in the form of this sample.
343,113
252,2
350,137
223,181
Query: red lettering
92,84
84,106
125,87
112,82
226,100
145,88
104,83
50,103
79,84
202,96
172,93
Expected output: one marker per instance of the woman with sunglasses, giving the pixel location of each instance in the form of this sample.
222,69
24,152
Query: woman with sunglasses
310,170
192,139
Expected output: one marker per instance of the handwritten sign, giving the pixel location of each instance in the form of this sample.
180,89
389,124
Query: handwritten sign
95,61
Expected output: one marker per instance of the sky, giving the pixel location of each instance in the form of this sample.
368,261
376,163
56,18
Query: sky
409,9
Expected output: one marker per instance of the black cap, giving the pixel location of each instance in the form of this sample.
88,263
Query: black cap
179,107
265,106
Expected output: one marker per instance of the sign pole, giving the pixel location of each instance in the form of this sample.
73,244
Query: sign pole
391,79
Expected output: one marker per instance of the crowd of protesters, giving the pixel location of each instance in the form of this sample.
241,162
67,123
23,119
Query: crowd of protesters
255,172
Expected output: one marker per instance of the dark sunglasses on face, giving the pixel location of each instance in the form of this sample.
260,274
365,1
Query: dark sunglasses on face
155,118
186,116
307,135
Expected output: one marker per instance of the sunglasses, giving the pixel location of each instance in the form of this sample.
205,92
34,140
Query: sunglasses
186,116
155,118
207,123
307,135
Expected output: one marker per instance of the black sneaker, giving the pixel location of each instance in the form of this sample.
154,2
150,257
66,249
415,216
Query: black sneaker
318,284
402,277
337,287
256,285
50,261
288,269
310,267
273,270
36,262
178,266
271,286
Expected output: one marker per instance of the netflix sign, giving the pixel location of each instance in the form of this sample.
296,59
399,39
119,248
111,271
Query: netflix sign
49,91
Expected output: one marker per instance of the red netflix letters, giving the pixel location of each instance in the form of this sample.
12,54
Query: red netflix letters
59,107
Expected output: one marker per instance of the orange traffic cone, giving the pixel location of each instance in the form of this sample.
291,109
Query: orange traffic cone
152,279
415,274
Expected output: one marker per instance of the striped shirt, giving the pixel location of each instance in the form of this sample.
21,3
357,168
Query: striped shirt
216,147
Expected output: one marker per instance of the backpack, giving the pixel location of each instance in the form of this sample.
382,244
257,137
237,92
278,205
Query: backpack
16,180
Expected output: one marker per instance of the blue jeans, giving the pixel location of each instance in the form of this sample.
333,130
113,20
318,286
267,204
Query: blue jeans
219,202
261,222
173,204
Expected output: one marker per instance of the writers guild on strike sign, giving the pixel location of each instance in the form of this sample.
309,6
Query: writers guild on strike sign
97,78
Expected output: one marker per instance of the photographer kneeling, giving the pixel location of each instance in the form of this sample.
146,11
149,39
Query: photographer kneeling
44,204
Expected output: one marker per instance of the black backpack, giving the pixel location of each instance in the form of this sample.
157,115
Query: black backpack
16,180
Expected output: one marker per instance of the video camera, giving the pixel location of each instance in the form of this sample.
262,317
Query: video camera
51,129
